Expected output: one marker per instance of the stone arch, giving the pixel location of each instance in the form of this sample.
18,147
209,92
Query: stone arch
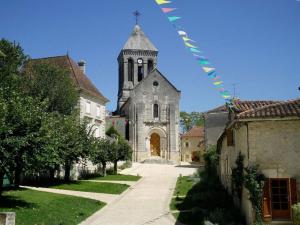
155,134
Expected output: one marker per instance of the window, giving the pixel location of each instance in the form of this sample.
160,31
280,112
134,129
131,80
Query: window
98,113
155,83
97,132
230,137
140,73
186,144
88,107
155,111
130,69
150,65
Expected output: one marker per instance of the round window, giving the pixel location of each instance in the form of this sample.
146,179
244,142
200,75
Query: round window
155,83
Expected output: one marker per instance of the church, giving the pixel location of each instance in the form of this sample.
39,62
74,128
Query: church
148,101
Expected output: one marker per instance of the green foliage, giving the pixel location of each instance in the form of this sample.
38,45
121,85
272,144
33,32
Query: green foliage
39,128
296,214
112,132
211,158
36,207
54,84
238,176
254,182
188,120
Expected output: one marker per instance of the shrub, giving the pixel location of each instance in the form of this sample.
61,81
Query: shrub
296,214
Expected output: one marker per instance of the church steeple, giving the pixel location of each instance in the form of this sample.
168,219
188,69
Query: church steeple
139,41
136,60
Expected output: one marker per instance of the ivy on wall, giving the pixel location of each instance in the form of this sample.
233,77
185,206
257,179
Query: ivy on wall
254,182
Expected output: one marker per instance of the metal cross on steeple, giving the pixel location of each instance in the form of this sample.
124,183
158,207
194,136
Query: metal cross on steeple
137,14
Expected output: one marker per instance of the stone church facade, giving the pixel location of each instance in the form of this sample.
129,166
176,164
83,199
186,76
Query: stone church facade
148,101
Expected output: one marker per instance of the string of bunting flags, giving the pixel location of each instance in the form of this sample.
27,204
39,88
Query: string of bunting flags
192,46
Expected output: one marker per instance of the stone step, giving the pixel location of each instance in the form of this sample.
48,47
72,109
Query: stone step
157,160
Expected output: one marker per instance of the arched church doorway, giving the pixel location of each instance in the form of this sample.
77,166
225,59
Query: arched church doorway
155,144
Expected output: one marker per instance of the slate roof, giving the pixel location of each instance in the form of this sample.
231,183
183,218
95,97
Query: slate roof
79,78
269,109
194,132
139,41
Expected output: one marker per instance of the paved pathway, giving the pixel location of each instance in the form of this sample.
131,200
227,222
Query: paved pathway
107,198
146,202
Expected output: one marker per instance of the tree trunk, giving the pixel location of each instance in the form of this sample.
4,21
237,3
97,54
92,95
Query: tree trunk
51,174
18,171
103,169
1,181
115,167
67,171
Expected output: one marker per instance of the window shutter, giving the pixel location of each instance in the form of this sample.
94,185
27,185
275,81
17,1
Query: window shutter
293,184
229,134
267,201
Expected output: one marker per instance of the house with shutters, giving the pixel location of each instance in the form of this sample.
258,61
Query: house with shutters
266,133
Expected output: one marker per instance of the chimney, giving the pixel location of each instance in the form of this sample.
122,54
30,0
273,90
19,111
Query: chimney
81,65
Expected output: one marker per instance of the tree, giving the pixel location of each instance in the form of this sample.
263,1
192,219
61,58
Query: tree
188,120
100,152
52,83
121,151
74,141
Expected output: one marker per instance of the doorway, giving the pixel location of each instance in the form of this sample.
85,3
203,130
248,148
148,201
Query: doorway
280,198
155,144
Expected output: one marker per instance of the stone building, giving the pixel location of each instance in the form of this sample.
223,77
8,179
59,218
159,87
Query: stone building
214,123
192,145
267,133
148,100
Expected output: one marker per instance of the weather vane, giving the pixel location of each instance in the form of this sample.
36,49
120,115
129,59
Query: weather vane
137,14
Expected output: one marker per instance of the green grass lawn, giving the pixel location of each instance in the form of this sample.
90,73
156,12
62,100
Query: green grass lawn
87,186
183,185
41,208
203,198
118,177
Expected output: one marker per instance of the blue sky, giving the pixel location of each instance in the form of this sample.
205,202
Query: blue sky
254,44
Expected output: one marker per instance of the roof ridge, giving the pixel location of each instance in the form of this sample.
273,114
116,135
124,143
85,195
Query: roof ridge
49,57
279,103
69,60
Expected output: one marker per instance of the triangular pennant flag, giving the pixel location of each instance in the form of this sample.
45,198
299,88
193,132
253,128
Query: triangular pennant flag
167,10
190,45
226,96
203,62
218,82
221,89
187,39
194,50
212,75
196,55
224,92
182,33
173,18
217,78
160,2
208,69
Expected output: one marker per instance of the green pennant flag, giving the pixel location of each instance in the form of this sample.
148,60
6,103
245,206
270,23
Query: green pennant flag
173,18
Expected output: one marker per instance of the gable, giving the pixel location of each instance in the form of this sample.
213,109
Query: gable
164,86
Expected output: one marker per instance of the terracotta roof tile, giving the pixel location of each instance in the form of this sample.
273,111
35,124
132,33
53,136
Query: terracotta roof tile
77,75
194,132
270,109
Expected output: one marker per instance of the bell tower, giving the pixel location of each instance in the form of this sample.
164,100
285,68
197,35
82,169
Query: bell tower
136,60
